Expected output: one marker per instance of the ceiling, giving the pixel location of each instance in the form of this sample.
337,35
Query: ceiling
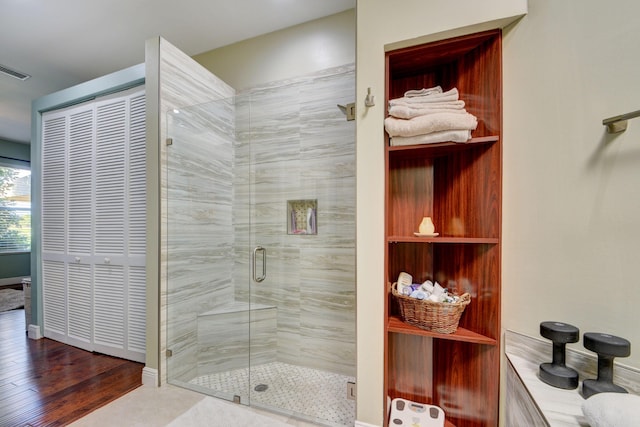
65,42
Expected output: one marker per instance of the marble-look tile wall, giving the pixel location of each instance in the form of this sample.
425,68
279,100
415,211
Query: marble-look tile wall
294,143
195,221
240,336
199,227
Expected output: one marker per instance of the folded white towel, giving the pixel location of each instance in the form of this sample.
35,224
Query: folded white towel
425,105
432,138
430,123
612,410
423,92
407,111
450,95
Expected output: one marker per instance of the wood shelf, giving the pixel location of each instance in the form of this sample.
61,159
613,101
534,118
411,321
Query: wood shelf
396,325
443,239
439,145
459,186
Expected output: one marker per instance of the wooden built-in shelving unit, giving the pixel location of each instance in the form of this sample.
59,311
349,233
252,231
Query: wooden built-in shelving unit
458,185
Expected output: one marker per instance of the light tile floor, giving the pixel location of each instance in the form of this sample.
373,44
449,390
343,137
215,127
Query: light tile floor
311,394
171,406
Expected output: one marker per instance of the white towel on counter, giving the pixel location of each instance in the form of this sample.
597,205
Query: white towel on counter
432,138
408,111
612,410
450,95
422,92
430,123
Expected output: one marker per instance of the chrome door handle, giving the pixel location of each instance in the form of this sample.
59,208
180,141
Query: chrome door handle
264,263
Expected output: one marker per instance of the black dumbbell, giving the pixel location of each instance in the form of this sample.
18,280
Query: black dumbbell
608,347
556,373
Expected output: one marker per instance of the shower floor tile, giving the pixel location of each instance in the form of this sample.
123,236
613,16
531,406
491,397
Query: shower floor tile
311,394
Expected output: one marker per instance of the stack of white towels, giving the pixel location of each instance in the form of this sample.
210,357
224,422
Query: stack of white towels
427,116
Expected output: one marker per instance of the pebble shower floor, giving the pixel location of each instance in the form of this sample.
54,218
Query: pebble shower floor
316,395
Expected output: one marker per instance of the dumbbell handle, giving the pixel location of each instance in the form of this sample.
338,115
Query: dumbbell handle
559,353
605,368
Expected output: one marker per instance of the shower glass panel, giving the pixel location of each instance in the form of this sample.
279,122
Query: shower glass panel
202,334
261,248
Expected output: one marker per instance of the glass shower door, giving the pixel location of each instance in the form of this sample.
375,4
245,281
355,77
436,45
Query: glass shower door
207,327
299,152
260,300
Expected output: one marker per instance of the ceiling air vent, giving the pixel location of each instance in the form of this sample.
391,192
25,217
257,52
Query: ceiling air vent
13,73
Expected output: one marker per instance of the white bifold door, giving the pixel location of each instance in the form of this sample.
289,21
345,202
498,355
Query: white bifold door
93,234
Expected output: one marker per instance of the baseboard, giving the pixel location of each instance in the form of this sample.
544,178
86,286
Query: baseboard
363,424
12,280
149,377
34,332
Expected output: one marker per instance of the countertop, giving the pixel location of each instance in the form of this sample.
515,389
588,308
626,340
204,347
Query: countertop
561,408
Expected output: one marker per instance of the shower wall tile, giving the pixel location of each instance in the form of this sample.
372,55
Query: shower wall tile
184,82
282,288
327,315
326,354
199,271
223,339
334,186
182,365
293,142
274,121
324,130
263,336
289,343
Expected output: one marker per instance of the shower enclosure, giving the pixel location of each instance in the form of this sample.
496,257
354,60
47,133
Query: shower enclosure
260,217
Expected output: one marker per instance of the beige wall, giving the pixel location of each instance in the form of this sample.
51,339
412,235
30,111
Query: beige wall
292,52
571,210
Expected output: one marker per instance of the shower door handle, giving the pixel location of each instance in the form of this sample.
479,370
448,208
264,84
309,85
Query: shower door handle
264,264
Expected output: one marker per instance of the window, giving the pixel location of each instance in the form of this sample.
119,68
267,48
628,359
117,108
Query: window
15,210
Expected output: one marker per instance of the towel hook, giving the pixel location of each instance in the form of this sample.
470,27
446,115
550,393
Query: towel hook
369,100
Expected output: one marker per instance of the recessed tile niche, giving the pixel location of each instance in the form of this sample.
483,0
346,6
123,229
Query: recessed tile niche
302,216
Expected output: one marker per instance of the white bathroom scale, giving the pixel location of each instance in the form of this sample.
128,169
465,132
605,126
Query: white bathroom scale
412,414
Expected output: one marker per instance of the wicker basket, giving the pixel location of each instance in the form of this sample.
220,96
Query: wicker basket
442,317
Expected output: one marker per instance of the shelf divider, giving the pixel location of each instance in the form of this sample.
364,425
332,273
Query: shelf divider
396,325
472,141
444,239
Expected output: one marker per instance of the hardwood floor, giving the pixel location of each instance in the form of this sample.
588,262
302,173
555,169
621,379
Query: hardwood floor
47,383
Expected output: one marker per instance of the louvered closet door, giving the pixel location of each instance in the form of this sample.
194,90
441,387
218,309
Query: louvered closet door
94,251
110,220
119,227
137,248
53,219
80,226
